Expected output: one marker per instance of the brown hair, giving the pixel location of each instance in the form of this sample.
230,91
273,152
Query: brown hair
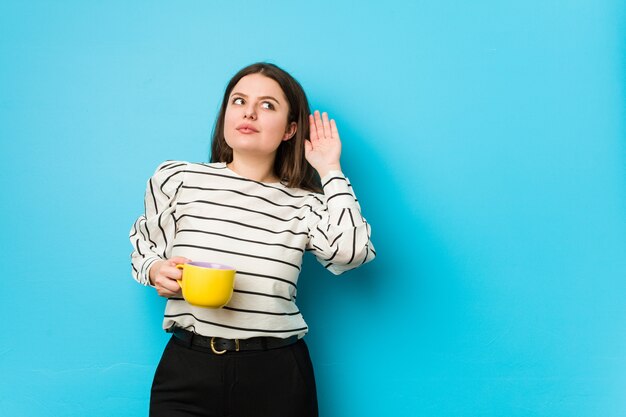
290,165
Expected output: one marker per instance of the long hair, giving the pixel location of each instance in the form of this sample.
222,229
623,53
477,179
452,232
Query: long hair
290,165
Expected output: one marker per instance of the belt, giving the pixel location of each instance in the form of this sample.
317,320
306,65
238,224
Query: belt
220,346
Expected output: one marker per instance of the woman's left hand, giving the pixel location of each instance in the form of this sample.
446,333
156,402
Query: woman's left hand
323,149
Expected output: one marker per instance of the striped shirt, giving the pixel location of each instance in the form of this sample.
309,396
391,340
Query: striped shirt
207,212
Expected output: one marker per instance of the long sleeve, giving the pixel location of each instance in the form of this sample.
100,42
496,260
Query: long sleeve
153,232
339,236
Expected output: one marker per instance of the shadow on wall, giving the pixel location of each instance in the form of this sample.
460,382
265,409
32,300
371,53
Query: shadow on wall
386,298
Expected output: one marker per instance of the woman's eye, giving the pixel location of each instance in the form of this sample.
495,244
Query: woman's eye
267,105
237,100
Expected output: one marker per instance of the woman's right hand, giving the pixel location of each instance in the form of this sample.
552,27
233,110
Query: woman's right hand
163,275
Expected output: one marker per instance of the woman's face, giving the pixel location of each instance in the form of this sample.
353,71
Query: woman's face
255,122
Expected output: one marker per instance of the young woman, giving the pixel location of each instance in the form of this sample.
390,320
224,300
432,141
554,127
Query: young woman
273,190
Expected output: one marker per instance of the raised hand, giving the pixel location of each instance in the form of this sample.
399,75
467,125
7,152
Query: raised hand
323,149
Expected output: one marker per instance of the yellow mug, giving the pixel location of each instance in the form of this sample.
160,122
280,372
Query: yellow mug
207,284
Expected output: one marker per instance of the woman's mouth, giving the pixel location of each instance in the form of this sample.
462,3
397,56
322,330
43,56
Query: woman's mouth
247,129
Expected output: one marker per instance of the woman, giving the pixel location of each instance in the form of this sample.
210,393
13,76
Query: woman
273,190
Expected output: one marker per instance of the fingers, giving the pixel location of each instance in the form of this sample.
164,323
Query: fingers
312,128
165,279
171,272
319,124
166,287
321,127
178,260
326,125
334,133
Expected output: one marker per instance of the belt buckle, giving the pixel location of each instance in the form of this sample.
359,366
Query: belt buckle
221,352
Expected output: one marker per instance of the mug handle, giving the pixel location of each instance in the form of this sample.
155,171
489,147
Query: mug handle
181,267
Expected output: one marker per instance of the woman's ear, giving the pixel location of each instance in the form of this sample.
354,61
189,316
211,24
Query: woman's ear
291,131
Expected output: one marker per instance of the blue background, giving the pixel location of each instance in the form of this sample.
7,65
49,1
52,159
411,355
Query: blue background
485,141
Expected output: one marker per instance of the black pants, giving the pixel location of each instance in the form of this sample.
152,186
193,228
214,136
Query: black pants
192,381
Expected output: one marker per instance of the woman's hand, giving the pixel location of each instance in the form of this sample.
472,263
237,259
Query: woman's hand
323,149
163,275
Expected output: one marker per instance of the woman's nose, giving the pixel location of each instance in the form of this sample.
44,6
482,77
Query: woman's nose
250,113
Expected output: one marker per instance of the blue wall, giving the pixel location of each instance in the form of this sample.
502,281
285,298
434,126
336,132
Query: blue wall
485,141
